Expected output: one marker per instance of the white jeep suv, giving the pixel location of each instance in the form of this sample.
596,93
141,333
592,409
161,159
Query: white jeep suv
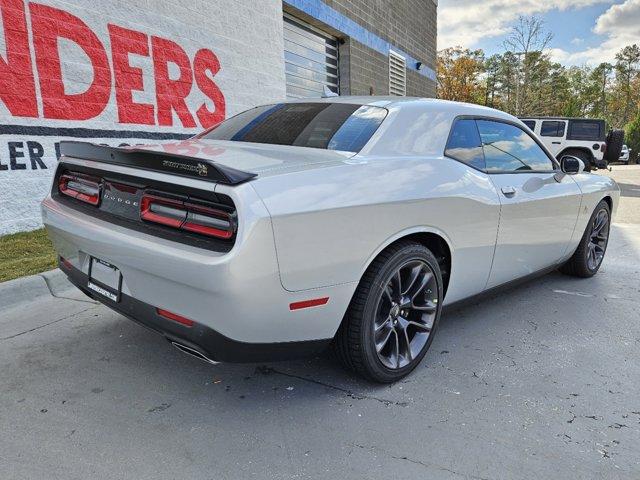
586,139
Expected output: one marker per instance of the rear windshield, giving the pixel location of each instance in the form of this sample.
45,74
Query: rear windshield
586,130
331,126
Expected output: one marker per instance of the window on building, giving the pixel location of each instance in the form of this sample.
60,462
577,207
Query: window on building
508,148
310,58
465,145
332,126
397,74
552,128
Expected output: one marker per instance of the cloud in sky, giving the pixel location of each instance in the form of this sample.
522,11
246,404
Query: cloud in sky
619,25
467,22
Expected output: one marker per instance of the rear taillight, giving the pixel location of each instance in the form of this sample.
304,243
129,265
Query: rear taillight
208,221
603,147
161,210
186,215
81,187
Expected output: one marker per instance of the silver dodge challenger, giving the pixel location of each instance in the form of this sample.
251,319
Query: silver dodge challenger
346,221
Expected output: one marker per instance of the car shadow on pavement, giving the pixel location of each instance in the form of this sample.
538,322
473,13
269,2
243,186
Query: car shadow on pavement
135,360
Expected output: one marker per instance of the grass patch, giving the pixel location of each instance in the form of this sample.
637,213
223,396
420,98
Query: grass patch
25,253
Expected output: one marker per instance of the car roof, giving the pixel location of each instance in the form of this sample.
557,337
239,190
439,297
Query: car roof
430,104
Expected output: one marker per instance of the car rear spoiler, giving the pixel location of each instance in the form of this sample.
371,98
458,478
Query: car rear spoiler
156,161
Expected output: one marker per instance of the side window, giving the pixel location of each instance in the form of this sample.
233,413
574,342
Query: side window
531,124
592,130
508,148
464,144
552,128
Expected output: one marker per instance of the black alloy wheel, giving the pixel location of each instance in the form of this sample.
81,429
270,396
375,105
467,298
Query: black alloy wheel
589,254
405,315
393,315
598,239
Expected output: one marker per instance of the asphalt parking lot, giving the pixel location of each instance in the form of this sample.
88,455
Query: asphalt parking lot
541,381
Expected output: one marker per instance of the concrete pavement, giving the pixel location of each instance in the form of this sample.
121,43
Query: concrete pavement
628,178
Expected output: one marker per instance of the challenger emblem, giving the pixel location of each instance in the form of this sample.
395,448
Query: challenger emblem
201,169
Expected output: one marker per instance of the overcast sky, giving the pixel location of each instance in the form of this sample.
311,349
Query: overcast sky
585,31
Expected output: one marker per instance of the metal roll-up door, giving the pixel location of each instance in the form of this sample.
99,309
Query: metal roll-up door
310,58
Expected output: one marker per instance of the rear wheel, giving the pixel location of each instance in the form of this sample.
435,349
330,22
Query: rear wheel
588,257
393,315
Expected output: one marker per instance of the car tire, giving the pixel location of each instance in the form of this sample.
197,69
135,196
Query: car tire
594,241
615,140
404,272
586,158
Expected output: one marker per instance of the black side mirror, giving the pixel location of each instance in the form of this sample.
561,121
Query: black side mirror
571,165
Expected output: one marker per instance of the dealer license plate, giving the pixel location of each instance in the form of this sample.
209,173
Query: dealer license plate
104,279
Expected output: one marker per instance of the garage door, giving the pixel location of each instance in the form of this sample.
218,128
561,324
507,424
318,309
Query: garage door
310,58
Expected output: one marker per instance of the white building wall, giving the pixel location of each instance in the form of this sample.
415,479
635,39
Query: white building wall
244,35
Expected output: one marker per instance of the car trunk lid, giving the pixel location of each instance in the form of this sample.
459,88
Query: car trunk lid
218,161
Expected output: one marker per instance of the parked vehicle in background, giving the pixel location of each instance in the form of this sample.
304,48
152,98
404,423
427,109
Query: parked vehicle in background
584,138
625,154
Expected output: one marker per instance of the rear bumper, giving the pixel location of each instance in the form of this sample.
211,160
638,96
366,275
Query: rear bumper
237,295
211,344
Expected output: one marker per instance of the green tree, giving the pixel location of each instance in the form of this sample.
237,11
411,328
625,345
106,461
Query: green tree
507,77
627,67
549,87
632,137
601,76
492,71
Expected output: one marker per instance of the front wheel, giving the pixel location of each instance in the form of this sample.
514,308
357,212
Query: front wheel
393,315
588,257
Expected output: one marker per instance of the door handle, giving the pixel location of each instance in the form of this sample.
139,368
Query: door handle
508,191
556,143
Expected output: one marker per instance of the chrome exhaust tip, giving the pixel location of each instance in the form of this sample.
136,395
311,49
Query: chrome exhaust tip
193,352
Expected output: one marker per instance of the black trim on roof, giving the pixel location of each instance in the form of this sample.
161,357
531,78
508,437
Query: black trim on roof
524,117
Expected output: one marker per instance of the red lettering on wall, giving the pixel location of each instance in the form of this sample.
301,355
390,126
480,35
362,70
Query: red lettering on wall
206,61
171,94
19,90
17,87
128,78
49,24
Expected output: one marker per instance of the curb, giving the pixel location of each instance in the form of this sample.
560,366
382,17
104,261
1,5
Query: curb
27,289
57,282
